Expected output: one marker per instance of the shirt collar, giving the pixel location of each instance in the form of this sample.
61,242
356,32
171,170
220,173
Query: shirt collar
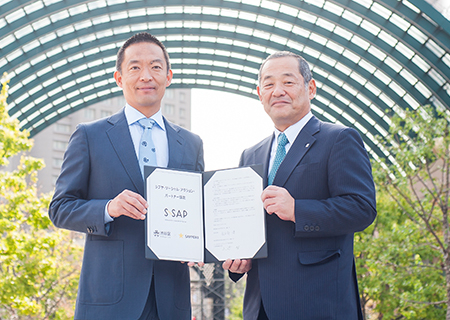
133,115
293,131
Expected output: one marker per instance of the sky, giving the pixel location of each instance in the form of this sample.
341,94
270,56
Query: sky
227,123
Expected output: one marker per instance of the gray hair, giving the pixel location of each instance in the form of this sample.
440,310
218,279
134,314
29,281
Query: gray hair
304,69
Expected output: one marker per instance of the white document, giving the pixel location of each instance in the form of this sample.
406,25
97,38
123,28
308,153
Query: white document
175,215
234,215
232,224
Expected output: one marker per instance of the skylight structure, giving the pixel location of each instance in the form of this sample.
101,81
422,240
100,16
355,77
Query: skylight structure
370,58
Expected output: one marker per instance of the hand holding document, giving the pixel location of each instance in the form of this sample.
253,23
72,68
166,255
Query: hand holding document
205,217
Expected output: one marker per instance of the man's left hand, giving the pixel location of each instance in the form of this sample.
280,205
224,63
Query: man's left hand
279,201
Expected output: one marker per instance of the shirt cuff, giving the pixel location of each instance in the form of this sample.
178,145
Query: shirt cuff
108,218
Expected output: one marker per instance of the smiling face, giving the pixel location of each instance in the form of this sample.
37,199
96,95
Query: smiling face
144,77
283,93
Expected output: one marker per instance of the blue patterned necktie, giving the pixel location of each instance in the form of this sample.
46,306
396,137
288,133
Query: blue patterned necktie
279,156
147,152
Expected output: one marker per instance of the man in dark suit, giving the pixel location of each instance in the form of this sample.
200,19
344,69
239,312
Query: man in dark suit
100,188
320,192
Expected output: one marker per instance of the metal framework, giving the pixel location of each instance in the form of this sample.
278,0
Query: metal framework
371,58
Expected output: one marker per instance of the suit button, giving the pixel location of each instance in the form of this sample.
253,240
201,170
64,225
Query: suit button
317,228
306,227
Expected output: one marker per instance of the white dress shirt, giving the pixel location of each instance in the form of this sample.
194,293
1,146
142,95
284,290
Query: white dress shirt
291,134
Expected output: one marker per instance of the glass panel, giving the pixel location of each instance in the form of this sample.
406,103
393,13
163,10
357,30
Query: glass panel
365,3
48,37
343,33
390,40
380,10
66,30
423,90
417,34
397,89
10,57
333,8
283,25
350,16
78,10
446,59
369,86
408,76
41,23
343,68
22,32
307,16
270,5
393,64
15,15
368,26
358,78
436,77
229,13
403,49
360,42
289,10
382,76
400,22
97,4
325,24
377,53
421,63
351,56
7,40
435,48
367,66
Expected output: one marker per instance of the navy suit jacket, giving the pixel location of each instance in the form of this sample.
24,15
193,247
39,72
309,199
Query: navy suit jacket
310,272
100,162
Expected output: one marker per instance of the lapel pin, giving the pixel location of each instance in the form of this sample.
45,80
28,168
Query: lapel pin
307,145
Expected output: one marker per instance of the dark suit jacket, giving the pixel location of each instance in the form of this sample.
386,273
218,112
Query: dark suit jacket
310,273
100,162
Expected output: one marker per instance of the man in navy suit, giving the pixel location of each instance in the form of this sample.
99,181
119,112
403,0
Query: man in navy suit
100,188
321,194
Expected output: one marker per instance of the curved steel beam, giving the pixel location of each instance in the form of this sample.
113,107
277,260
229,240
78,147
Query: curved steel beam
370,58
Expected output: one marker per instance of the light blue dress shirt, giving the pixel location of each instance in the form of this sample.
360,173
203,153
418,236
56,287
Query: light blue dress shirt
159,137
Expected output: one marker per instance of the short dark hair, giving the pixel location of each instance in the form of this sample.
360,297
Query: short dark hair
303,66
137,38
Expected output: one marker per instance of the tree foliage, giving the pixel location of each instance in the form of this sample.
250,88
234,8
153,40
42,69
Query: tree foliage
403,258
38,263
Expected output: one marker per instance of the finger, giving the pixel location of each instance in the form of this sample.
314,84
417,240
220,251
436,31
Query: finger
244,267
269,192
136,200
227,264
132,212
235,266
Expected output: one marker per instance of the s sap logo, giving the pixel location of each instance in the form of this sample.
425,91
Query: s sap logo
174,213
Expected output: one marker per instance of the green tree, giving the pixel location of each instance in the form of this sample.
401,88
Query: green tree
39,264
403,258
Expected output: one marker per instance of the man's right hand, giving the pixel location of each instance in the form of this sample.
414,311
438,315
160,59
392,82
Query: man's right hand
237,266
128,203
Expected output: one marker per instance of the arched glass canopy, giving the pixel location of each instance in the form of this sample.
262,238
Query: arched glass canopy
370,58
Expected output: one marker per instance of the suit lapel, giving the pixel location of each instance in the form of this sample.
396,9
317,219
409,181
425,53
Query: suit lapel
263,152
120,138
176,145
299,148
